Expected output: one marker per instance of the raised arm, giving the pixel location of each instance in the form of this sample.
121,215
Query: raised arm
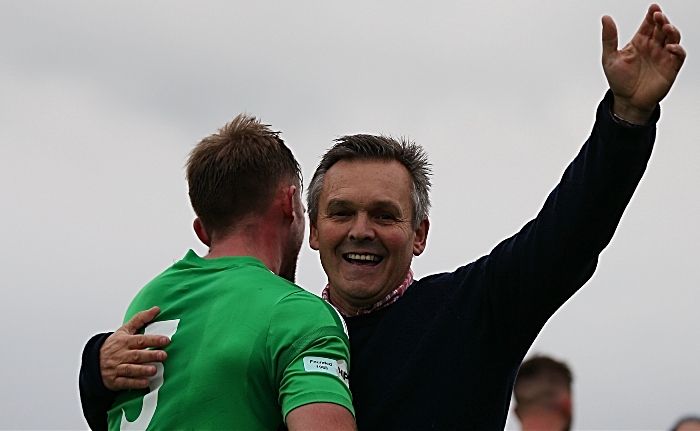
642,73
112,362
534,272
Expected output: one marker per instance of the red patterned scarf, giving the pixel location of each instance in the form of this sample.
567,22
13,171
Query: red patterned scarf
392,297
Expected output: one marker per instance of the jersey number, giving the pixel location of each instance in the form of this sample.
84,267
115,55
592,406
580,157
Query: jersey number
150,401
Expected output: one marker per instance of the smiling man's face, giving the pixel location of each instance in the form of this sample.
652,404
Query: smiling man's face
364,231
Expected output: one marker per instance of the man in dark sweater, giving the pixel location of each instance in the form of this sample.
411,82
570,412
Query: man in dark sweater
442,352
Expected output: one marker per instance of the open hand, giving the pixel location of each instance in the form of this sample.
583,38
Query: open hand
642,73
124,356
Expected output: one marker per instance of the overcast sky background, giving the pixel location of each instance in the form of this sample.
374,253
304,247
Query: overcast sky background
100,104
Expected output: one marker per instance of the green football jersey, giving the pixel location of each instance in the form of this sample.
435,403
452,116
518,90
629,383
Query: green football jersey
246,348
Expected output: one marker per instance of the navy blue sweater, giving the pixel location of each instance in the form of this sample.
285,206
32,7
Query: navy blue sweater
445,355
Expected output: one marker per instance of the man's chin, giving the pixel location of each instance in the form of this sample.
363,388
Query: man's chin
361,292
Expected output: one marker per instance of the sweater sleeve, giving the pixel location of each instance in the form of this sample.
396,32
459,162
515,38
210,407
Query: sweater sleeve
531,274
95,398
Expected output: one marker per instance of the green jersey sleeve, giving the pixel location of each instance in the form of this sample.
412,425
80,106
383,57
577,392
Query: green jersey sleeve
310,353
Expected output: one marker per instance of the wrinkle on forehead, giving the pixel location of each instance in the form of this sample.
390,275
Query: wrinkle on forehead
366,183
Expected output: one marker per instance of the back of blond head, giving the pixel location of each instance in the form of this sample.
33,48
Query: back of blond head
235,172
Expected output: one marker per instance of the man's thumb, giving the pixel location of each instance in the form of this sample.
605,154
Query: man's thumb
140,319
609,36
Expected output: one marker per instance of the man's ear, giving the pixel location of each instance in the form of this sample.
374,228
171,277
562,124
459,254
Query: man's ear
201,233
313,236
288,206
566,404
421,236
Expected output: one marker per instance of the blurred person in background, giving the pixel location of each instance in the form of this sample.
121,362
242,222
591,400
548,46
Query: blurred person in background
687,423
542,394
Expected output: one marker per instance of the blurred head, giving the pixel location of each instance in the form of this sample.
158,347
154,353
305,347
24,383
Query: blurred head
543,387
237,172
688,423
368,204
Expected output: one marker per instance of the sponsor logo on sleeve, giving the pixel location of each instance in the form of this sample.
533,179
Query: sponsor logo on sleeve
342,370
314,364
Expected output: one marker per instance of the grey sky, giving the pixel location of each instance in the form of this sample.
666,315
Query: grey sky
101,102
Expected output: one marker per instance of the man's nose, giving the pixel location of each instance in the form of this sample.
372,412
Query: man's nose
361,228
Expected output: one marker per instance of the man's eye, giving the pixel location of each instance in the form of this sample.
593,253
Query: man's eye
386,217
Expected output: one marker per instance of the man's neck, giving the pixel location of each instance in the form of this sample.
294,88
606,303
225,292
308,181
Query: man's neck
543,422
249,240
347,309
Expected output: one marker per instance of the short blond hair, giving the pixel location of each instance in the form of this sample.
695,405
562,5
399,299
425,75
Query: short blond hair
234,173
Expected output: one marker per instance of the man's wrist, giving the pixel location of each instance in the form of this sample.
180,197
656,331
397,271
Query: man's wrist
625,113
621,120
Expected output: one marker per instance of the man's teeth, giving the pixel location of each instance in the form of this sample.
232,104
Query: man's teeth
367,257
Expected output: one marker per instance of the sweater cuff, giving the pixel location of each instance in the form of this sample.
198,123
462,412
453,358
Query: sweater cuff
90,375
626,137
608,102
95,398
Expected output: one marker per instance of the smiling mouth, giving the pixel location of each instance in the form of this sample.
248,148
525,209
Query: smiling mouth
362,259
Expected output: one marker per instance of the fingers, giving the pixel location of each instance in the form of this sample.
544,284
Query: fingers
122,368
673,36
139,320
658,34
609,36
128,383
647,27
122,349
122,356
664,32
134,371
669,37
678,51
139,357
146,341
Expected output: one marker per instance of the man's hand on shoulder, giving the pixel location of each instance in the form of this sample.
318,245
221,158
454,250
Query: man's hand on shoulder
124,358
642,73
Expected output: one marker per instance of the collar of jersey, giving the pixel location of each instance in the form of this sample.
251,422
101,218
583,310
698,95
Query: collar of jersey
193,258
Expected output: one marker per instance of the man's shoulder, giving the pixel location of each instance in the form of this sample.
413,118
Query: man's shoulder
458,288
303,311
450,278
303,302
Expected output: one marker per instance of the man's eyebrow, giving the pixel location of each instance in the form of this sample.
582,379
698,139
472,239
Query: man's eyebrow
372,206
338,202
385,204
